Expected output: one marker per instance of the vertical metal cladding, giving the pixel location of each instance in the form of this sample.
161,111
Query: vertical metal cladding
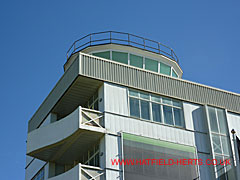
111,71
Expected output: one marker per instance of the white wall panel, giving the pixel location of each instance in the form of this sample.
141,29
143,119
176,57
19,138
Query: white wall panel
113,175
113,150
115,98
153,130
194,117
234,122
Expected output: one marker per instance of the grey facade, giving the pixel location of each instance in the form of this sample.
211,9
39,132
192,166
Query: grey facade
81,125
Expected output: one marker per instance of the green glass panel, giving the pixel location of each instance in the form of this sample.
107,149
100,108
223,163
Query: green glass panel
156,98
133,93
136,61
105,54
167,101
151,65
120,57
174,74
165,69
160,143
176,103
144,95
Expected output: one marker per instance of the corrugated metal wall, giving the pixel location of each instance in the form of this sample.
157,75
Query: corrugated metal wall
137,78
116,121
115,99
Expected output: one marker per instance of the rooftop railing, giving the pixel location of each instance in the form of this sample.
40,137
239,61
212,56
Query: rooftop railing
114,37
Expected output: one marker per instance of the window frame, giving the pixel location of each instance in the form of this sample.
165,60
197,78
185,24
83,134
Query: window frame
144,62
150,100
220,135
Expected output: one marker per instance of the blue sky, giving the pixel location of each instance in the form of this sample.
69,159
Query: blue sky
35,35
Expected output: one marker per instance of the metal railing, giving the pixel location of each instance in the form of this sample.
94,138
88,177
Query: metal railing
114,37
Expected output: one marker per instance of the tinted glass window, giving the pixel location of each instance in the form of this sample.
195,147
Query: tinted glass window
120,57
151,65
136,61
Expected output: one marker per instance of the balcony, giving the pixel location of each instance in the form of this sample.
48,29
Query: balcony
65,140
82,172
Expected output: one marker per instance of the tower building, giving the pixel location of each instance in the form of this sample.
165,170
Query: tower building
121,111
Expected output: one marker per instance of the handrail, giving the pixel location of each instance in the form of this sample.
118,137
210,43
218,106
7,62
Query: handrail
112,37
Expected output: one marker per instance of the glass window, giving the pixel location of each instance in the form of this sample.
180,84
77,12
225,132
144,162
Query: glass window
156,108
136,61
151,65
216,144
133,93
93,102
178,117
167,101
213,119
156,98
176,103
220,140
120,57
95,105
156,112
174,74
145,113
134,107
105,54
165,69
222,121
219,167
144,95
167,111
225,145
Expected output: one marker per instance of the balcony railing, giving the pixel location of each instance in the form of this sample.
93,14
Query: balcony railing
50,142
81,172
114,37
92,118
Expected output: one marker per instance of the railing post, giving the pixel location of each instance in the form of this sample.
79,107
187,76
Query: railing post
159,48
110,37
144,43
90,39
172,53
128,39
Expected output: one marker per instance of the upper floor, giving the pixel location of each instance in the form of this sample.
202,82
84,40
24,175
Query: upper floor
128,49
